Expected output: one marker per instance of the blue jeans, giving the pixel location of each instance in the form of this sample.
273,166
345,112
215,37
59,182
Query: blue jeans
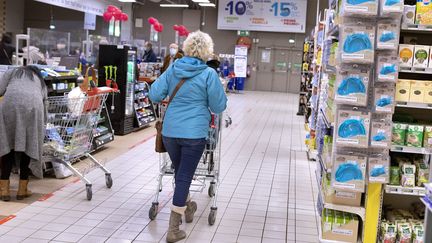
185,155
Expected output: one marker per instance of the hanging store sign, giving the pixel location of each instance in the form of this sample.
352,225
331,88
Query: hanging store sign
89,21
240,61
263,15
87,6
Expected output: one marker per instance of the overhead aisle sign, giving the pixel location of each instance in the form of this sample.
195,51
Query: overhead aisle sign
96,7
263,15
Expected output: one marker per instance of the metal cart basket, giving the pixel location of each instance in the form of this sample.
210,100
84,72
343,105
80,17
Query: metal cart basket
69,131
208,167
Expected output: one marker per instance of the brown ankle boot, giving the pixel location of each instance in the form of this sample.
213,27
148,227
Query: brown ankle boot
191,208
23,192
4,190
174,233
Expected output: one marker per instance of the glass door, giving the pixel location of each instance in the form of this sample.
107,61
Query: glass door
130,82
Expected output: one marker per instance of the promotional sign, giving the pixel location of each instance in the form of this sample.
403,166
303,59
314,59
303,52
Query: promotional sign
263,15
240,61
88,6
89,21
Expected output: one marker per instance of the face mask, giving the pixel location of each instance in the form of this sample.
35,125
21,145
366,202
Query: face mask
173,51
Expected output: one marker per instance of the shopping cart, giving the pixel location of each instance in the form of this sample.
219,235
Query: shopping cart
69,131
208,167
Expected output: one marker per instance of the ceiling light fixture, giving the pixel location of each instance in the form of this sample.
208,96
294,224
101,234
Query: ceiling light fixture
127,1
291,41
174,5
200,1
207,5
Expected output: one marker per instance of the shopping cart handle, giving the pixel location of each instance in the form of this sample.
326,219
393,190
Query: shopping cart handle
101,90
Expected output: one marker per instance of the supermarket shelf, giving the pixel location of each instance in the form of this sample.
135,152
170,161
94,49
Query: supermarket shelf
360,211
323,165
400,190
426,201
414,105
416,28
415,70
411,150
428,187
321,240
326,121
333,31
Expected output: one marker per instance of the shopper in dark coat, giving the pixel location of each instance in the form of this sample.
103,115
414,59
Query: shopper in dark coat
173,55
22,126
149,55
6,50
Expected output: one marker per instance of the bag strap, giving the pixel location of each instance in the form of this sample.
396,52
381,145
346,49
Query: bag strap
175,91
174,94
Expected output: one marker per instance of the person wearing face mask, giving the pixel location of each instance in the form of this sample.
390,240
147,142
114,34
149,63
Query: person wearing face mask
6,50
173,55
149,55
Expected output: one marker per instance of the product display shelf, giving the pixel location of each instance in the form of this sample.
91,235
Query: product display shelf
417,70
321,240
415,28
323,165
328,124
360,211
427,203
414,105
102,137
411,150
400,190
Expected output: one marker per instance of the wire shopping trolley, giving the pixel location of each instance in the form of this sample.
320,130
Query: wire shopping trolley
208,168
69,131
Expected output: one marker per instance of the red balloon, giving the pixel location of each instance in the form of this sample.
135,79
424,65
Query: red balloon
152,21
124,17
111,8
176,27
157,27
118,14
107,16
161,27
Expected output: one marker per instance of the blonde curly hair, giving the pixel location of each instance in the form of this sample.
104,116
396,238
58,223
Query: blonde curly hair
198,44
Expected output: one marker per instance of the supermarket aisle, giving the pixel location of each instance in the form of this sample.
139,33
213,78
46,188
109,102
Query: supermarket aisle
267,191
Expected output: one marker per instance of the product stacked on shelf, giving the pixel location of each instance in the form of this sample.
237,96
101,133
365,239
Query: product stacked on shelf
129,110
312,122
356,103
411,133
306,81
143,106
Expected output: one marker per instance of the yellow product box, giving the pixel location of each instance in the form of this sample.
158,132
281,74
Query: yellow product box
417,91
428,92
423,12
406,55
403,90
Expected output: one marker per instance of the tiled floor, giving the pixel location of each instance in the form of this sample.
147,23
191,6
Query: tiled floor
266,194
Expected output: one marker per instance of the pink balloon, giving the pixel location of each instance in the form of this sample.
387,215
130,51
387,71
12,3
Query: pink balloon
176,27
124,17
107,16
157,27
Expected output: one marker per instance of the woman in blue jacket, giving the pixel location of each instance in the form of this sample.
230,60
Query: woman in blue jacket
187,120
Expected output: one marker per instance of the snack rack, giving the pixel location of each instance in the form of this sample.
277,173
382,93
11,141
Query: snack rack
327,126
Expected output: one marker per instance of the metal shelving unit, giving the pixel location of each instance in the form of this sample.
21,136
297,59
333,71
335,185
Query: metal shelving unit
411,150
400,190
413,105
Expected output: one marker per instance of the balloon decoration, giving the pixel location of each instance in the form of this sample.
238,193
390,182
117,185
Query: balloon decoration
158,27
116,13
181,29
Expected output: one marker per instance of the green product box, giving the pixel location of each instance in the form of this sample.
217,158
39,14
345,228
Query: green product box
399,133
427,141
414,136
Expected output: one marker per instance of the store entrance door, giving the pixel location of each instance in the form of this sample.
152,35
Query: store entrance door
278,70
